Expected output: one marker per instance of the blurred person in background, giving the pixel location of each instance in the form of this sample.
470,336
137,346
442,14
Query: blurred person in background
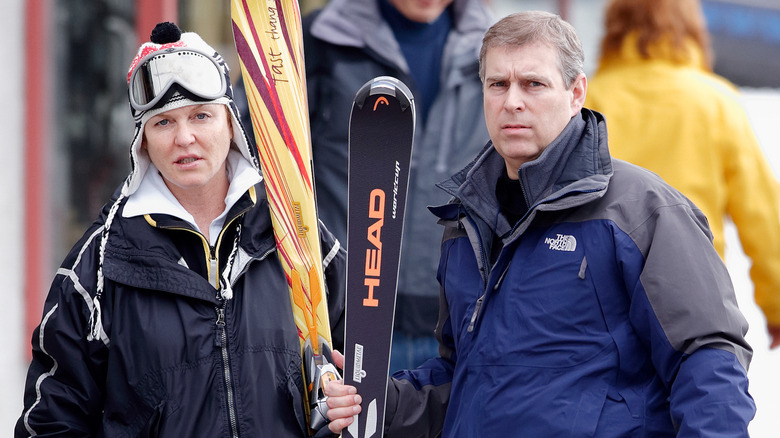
431,46
171,315
668,112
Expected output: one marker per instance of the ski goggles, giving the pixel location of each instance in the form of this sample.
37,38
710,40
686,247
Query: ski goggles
197,72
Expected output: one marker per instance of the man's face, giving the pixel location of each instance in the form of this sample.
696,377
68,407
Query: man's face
189,145
527,104
421,11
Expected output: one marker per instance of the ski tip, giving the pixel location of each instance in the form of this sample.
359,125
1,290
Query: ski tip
386,85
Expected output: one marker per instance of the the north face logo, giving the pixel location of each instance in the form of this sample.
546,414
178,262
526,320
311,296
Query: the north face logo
562,243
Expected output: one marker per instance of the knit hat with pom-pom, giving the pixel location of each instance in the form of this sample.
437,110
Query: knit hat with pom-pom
168,39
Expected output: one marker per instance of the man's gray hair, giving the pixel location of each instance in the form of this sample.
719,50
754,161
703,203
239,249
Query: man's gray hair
528,27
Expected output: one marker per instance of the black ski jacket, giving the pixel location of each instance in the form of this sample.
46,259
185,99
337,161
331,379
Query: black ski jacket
164,353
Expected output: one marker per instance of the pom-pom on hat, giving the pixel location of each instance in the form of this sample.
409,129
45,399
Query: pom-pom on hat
171,71
165,32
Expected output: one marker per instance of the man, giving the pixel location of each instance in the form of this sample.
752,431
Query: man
171,317
581,295
431,46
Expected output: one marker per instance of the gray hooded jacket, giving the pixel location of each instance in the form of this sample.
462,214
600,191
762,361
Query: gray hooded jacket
346,44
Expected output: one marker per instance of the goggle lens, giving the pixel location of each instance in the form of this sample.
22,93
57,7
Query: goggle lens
196,72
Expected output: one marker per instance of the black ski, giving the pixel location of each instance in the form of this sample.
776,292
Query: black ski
381,130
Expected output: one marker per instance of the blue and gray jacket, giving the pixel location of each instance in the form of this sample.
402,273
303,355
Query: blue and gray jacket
607,312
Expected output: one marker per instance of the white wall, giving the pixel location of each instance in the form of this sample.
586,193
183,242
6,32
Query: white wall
12,342
763,108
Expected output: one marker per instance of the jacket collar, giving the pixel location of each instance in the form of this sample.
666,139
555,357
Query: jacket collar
256,238
137,256
358,23
577,162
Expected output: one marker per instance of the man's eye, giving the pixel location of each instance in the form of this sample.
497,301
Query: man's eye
201,116
162,122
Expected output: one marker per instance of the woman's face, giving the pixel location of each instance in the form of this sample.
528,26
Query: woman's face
189,146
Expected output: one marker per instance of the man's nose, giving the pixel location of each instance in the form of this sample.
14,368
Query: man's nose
515,98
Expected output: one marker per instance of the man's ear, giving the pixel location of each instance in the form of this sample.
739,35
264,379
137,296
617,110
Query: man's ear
579,89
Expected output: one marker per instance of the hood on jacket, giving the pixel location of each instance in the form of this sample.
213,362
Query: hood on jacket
354,22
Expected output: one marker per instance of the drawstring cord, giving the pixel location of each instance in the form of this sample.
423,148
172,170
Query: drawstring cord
226,290
95,321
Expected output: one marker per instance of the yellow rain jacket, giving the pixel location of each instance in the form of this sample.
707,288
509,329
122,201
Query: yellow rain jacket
686,124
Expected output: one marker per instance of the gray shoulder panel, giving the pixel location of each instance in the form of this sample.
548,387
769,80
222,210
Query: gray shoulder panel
687,284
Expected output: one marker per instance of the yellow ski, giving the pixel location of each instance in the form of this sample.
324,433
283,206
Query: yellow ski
269,42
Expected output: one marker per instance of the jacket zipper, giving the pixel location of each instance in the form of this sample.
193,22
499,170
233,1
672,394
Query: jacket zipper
488,268
221,326
485,272
481,300
210,252
226,369
475,315
213,267
213,278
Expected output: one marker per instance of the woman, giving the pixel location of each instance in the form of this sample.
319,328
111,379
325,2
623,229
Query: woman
171,315
668,112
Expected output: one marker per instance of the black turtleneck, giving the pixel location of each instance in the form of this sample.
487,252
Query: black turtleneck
511,204
509,193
